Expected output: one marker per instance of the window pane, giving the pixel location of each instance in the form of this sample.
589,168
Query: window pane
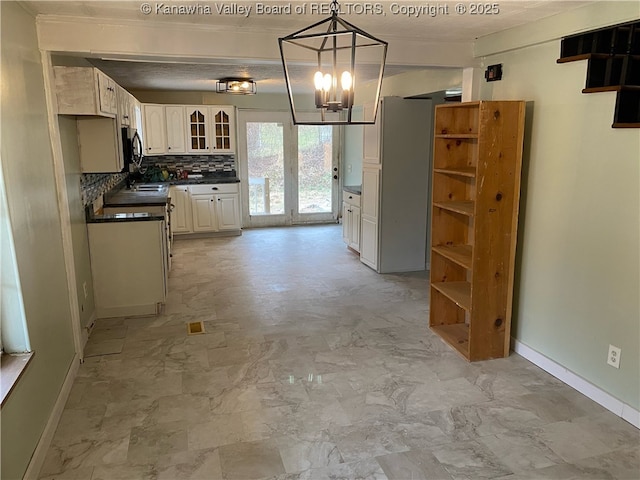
315,161
265,157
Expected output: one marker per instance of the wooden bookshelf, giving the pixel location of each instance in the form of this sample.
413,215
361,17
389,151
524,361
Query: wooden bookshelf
476,191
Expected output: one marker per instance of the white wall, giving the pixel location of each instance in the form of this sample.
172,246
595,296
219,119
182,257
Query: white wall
579,244
33,209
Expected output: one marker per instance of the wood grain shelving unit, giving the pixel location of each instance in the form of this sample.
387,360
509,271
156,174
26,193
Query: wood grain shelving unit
476,191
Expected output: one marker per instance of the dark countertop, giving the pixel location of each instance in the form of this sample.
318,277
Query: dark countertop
124,197
204,180
124,217
355,189
121,196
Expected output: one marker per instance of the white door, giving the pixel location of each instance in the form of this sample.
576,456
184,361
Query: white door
287,171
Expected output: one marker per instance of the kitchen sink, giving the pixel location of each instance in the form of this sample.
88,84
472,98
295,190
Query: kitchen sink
148,187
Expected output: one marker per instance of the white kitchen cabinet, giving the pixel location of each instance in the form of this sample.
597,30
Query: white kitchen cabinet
107,91
99,145
228,211
176,133
85,91
124,107
371,138
101,107
181,216
369,242
155,138
204,213
370,207
223,137
395,186
215,207
351,220
137,122
129,267
160,210
198,129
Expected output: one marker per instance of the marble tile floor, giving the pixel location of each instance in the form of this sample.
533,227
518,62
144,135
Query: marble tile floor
312,366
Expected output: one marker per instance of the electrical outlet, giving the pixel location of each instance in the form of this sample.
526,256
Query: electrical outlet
613,357
84,287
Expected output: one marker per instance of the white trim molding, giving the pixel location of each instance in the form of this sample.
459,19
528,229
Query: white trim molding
40,453
588,389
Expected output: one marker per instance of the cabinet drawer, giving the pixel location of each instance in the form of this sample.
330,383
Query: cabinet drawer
209,189
351,199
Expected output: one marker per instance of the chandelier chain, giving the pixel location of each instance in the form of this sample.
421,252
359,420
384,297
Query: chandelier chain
335,7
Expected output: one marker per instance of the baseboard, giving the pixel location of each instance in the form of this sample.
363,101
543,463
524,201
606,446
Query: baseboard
128,311
40,453
588,389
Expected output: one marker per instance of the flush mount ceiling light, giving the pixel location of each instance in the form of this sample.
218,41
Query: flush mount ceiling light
236,86
340,69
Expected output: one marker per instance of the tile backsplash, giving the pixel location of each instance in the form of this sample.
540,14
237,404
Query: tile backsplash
94,185
193,163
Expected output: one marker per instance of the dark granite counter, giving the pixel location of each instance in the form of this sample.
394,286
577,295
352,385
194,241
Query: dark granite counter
124,217
205,180
124,197
355,189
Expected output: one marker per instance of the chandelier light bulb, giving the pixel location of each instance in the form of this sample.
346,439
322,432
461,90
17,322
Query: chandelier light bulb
346,80
318,80
326,82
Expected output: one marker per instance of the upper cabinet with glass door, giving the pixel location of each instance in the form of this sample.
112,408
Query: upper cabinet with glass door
223,129
198,140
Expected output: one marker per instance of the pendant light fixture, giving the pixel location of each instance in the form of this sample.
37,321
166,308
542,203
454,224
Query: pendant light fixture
333,71
236,86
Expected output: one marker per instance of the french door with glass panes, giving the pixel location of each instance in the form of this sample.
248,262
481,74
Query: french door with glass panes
289,173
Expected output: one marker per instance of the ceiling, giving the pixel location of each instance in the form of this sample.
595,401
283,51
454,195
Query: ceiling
391,21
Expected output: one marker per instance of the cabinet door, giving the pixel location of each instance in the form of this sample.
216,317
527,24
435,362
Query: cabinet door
198,129
354,234
124,108
228,211
369,243
154,130
175,129
371,137
223,129
204,213
99,145
181,217
370,192
346,223
107,94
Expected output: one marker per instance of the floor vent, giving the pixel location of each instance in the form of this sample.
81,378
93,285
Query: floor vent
195,328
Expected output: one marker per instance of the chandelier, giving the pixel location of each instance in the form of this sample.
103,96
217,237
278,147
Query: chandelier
333,72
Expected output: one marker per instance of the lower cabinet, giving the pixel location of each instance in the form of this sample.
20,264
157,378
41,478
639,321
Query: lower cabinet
181,216
370,217
204,213
129,266
351,220
205,208
369,242
228,211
